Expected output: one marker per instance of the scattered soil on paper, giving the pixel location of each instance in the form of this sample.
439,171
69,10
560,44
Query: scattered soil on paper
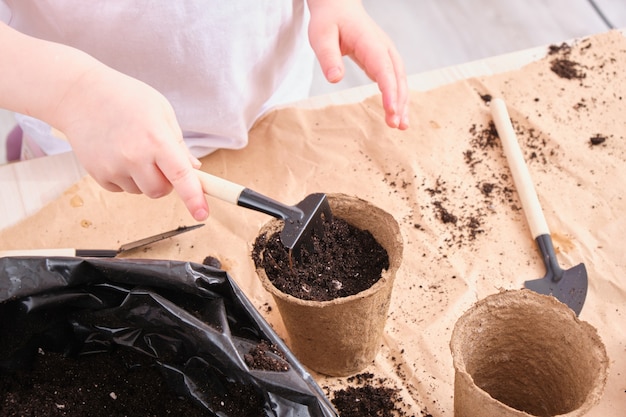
562,65
345,261
493,186
464,222
369,396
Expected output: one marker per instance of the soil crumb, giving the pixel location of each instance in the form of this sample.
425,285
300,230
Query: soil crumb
597,140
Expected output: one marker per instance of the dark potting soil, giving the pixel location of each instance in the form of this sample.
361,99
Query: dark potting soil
260,357
345,261
119,383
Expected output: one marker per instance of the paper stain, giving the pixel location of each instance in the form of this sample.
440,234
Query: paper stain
76,201
73,189
562,243
85,223
227,264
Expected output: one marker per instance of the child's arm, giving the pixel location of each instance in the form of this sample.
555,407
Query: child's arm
123,131
343,27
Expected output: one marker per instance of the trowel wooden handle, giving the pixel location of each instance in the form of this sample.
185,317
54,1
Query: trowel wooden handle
220,188
38,252
245,197
519,169
48,252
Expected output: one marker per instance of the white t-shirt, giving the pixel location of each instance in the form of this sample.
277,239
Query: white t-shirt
221,64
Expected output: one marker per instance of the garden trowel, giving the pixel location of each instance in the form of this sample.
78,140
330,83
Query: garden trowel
567,285
302,221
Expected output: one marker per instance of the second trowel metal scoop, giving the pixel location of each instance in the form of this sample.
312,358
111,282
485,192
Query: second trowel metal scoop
301,221
568,285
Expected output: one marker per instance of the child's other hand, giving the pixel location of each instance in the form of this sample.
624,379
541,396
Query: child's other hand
126,135
339,28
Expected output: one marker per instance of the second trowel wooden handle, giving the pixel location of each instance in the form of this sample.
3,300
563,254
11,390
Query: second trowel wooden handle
519,169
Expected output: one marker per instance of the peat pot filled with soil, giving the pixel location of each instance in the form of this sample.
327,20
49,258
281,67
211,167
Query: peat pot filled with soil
522,354
334,299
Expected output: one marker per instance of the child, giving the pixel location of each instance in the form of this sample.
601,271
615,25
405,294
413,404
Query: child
142,89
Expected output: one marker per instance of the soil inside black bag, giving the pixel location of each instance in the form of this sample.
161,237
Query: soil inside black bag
118,383
105,384
345,261
140,338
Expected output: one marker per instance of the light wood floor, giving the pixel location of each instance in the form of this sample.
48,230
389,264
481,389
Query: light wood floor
431,34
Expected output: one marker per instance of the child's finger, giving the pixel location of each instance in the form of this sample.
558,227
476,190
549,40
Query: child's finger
402,94
325,43
179,171
390,76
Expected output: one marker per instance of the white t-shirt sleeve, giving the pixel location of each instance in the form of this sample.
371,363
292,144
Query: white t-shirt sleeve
221,64
5,12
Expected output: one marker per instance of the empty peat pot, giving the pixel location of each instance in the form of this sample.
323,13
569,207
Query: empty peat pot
519,353
342,336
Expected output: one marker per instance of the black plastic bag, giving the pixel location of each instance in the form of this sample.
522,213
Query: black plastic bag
192,319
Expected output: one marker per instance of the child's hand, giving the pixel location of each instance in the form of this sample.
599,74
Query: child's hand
343,27
123,131
126,135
